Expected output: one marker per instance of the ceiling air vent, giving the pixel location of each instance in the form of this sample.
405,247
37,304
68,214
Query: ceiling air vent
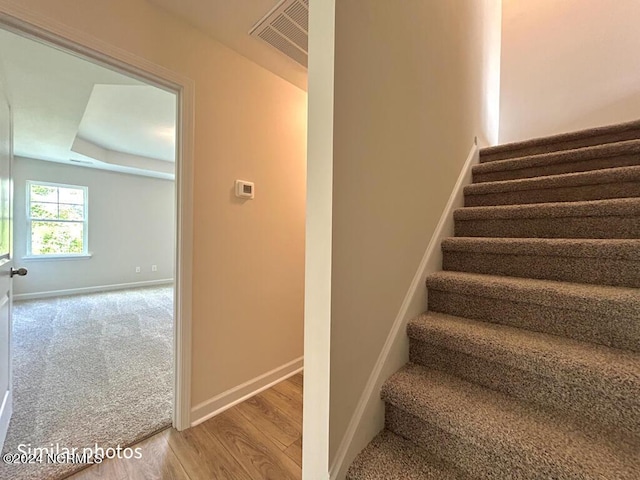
286,27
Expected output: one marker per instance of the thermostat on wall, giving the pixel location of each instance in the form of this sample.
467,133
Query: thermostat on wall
244,189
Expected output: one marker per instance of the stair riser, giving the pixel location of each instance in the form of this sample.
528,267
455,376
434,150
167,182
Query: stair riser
587,141
562,227
616,330
562,194
480,460
584,397
593,270
558,168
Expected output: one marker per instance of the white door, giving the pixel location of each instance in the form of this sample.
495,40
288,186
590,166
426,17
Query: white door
6,265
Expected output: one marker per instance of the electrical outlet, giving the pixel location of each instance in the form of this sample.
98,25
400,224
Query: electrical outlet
154,268
137,269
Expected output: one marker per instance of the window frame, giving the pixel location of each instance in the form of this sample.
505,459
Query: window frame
85,222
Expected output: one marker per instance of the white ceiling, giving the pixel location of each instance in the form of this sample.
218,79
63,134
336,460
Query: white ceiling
135,119
229,22
59,99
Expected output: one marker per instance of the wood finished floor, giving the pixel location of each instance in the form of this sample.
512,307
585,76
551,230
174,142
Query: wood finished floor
260,438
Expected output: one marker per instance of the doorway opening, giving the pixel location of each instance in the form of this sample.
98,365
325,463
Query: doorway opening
97,336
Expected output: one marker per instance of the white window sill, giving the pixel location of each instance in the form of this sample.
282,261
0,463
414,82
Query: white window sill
80,256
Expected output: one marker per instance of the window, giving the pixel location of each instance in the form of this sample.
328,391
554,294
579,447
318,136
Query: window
57,217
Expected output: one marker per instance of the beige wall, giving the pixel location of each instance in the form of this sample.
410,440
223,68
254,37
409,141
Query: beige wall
410,95
567,65
248,257
131,223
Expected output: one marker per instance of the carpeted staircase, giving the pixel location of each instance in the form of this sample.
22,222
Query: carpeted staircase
527,363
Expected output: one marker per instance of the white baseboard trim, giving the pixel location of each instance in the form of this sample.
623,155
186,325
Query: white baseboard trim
431,262
218,404
99,288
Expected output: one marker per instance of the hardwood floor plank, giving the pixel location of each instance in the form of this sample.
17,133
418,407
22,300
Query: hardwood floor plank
204,457
289,389
107,470
258,454
112,468
297,378
290,407
158,461
270,420
294,452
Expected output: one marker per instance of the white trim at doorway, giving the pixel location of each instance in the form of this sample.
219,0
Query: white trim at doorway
6,407
21,20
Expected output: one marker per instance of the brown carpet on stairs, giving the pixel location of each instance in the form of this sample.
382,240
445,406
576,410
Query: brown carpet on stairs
527,363
564,141
605,262
619,154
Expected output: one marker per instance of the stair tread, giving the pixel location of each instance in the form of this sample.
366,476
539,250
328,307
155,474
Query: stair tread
564,295
577,179
392,457
591,208
562,137
621,249
508,426
627,147
527,350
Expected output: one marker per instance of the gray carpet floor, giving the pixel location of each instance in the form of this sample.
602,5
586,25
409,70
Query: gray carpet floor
90,369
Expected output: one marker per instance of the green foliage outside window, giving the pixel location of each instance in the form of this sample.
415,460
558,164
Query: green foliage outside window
57,215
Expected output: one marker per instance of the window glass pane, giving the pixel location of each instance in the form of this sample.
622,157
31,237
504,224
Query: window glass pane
42,193
71,212
72,195
58,215
44,210
48,238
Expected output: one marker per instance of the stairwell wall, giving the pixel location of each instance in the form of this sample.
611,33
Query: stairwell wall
414,83
568,65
